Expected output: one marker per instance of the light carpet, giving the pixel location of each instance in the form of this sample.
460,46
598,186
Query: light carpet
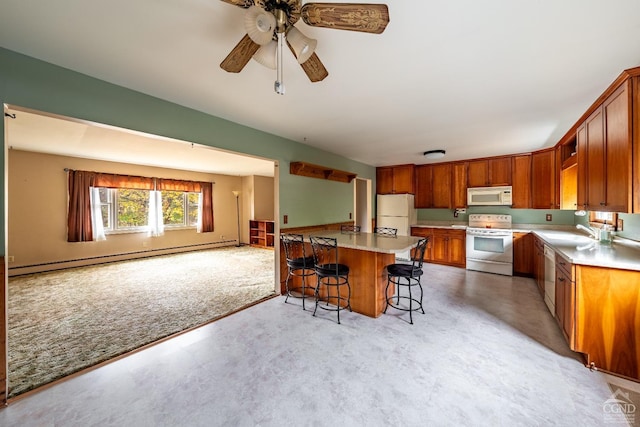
64,321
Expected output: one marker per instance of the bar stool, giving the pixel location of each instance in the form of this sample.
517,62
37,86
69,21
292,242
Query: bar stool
331,275
349,228
298,265
407,275
386,231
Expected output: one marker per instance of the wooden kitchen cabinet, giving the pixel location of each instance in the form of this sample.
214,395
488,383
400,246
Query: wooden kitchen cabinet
424,187
538,264
446,246
543,179
565,299
442,193
489,172
521,181
395,179
428,233
459,172
607,329
523,253
449,247
605,153
433,186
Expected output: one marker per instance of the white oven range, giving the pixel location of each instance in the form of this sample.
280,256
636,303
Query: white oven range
490,244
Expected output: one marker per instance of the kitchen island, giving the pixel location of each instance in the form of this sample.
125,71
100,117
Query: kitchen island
367,255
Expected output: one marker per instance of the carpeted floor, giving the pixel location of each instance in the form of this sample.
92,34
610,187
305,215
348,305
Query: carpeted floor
62,322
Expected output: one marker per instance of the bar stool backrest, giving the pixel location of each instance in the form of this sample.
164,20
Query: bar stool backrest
294,248
417,253
386,231
325,252
349,228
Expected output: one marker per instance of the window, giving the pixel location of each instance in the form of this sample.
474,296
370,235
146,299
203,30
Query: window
603,218
128,210
180,209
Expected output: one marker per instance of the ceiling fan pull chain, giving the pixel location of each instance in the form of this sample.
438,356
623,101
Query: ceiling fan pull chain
279,84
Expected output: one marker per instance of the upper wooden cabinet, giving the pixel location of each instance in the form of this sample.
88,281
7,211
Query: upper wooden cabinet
424,187
489,172
543,179
395,179
605,154
459,197
521,181
442,185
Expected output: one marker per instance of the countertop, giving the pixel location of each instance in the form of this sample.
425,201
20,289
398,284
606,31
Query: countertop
371,242
580,249
570,243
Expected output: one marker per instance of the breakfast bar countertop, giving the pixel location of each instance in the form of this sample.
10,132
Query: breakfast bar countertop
371,242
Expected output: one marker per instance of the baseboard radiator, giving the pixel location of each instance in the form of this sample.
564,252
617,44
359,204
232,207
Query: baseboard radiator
83,262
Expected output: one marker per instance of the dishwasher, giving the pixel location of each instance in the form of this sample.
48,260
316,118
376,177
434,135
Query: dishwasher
550,279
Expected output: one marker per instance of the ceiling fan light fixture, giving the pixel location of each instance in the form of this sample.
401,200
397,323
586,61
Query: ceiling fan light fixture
302,46
266,55
434,154
259,25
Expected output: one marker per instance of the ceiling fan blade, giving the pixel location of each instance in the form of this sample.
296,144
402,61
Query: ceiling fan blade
240,55
313,67
364,17
241,3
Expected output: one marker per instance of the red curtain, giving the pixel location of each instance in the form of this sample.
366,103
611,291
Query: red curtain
178,185
207,207
110,180
79,215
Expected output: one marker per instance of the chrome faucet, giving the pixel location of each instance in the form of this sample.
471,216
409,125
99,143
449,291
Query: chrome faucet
593,232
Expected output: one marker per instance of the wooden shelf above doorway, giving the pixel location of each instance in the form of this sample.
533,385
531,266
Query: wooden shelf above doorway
321,172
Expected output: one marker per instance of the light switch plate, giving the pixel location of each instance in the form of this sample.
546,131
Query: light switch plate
620,225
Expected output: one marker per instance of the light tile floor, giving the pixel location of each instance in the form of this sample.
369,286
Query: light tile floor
486,353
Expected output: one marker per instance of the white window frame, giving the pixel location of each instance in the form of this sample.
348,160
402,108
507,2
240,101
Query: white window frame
111,224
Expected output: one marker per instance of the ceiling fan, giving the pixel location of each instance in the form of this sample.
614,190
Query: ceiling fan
271,23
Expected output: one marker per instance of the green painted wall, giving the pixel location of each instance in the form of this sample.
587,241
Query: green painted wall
31,83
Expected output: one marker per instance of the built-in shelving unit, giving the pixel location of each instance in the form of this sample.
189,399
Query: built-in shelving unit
261,233
321,172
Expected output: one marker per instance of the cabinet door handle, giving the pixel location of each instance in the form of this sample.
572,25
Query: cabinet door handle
603,203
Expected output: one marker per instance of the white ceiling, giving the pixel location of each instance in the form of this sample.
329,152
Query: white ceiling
477,78
42,133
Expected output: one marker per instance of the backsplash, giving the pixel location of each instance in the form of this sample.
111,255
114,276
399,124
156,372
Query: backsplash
519,216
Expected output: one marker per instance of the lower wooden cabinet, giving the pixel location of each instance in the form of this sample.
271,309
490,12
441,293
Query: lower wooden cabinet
523,253
446,246
607,326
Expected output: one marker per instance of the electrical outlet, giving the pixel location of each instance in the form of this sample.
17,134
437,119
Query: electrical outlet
620,224
286,219
549,217
349,215
222,236
11,258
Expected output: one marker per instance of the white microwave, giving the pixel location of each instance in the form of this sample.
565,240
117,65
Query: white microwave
489,196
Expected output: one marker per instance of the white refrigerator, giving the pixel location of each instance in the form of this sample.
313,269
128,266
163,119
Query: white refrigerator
396,211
